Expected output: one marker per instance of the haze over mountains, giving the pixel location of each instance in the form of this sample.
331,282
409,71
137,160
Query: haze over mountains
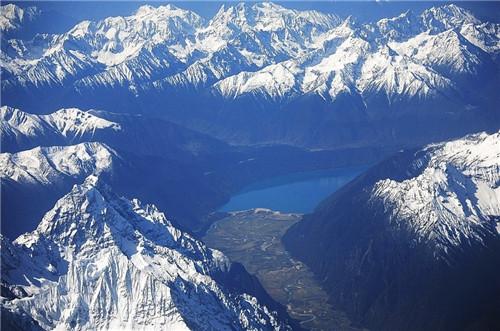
304,74
186,173
184,111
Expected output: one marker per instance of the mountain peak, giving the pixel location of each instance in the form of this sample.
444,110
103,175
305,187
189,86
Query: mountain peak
268,16
144,9
72,122
457,189
449,16
269,7
97,261
167,10
45,165
66,123
13,16
10,113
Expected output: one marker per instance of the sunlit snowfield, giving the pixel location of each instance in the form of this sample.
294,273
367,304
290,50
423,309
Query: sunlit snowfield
190,165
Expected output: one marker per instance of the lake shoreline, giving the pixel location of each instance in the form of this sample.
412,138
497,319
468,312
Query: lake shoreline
298,192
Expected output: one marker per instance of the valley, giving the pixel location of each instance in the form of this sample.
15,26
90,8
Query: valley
209,165
253,238
249,230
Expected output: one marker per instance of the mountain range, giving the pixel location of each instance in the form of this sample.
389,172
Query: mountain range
100,262
183,111
183,172
413,243
263,63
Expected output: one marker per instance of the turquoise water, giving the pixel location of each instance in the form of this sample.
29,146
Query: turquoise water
295,193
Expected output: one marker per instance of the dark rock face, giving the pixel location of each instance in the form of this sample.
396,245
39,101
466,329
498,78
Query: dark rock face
382,275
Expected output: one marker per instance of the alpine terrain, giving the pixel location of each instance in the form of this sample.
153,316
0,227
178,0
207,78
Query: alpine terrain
100,262
236,119
309,76
414,242
183,172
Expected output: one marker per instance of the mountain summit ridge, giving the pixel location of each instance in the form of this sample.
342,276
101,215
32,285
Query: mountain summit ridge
125,50
263,62
422,227
97,261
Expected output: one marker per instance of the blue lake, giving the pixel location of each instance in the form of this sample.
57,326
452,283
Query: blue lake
295,193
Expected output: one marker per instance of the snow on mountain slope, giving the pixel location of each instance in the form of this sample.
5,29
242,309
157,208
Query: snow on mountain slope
205,71
399,77
156,42
56,66
14,124
485,36
324,75
73,122
148,64
63,125
51,165
99,262
433,20
448,52
91,48
396,28
249,36
120,38
352,68
449,16
426,55
276,82
141,47
286,31
13,16
115,40
337,72
166,49
455,198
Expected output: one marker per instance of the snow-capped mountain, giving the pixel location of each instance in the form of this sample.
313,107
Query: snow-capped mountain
123,132
269,63
426,51
18,127
100,262
113,50
274,82
12,17
455,198
447,17
50,165
252,36
429,218
178,45
41,175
